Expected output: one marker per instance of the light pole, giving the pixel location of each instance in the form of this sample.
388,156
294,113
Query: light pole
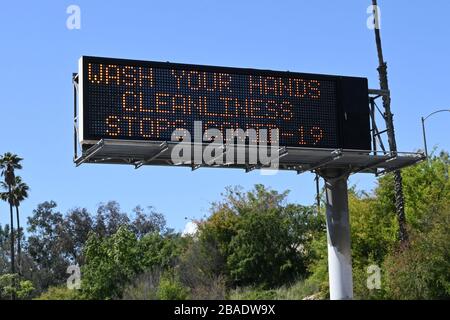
423,128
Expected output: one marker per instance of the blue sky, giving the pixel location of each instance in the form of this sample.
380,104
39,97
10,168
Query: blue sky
38,55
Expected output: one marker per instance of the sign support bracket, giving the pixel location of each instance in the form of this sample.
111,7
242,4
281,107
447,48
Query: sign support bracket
375,164
163,148
90,152
335,155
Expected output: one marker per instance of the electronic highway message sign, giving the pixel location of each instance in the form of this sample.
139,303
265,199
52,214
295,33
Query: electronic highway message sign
144,100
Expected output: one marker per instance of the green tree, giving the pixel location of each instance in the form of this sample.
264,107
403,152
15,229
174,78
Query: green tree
263,240
374,228
4,249
148,221
77,224
58,240
112,263
422,270
11,285
427,189
160,250
109,219
45,246
374,231
18,194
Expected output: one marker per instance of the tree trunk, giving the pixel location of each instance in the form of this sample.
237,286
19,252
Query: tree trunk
13,268
398,188
19,235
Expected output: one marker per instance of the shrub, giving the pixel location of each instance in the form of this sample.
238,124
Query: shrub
60,293
199,270
170,288
422,270
10,284
250,293
299,290
144,287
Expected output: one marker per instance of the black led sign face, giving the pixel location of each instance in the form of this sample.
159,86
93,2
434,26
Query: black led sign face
139,100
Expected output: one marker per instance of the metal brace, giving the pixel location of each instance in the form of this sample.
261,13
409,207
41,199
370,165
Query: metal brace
386,171
90,153
335,155
376,163
282,152
163,148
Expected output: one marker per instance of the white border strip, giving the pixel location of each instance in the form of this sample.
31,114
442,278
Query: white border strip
80,101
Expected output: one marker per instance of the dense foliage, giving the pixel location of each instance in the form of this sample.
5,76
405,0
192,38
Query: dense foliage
262,240
253,245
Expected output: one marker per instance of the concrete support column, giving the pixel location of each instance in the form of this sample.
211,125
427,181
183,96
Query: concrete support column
338,235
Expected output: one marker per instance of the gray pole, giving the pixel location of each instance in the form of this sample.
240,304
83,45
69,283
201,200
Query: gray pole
338,235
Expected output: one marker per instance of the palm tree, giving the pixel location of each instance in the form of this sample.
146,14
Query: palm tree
19,193
8,163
